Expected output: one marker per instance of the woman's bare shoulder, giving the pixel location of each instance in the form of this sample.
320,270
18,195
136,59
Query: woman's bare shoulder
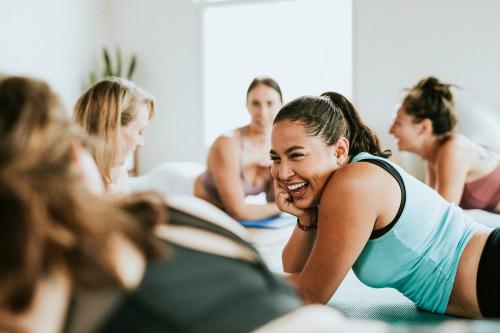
226,144
456,146
358,177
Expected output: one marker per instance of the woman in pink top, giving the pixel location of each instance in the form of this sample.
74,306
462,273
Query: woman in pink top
461,171
238,162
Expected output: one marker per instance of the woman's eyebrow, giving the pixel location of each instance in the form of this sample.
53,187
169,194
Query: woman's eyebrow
288,150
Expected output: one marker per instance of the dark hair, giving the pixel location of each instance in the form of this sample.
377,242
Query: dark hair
331,116
267,81
431,99
28,108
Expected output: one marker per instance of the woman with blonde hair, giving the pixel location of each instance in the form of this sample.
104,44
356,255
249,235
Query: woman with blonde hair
50,233
116,113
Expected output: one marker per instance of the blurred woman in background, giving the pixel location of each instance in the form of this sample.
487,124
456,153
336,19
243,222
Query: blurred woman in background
238,162
116,113
461,170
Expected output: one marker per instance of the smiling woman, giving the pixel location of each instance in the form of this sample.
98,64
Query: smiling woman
116,113
461,170
356,209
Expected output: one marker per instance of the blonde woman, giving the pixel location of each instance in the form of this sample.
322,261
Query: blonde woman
116,113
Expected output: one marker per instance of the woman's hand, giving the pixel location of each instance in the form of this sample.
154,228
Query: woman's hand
284,201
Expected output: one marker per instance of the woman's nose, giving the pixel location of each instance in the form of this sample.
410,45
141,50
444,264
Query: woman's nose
391,129
285,172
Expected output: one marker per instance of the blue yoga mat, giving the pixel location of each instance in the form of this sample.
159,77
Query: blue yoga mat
274,222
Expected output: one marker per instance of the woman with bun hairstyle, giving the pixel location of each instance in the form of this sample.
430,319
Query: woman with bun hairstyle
459,169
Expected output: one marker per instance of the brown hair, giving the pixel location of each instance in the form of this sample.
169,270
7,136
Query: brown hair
431,99
31,113
267,81
49,218
332,116
102,109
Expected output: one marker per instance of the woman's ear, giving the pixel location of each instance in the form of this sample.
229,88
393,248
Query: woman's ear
342,150
426,127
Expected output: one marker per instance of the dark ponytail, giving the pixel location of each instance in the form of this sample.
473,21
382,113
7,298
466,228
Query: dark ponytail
432,99
332,116
360,136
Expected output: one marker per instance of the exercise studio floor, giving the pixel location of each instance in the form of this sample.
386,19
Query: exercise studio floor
358,301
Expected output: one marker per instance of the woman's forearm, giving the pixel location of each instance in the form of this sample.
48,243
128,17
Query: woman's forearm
298,249
253,211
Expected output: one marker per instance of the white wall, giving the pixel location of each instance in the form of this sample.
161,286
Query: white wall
55,40
287,40
166,37
396,43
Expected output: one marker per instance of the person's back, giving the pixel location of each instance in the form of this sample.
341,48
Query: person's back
196,291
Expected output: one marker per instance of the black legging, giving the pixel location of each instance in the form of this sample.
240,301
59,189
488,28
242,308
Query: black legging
488,277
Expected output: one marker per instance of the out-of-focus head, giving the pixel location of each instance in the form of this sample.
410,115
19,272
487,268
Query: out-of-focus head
41,188
35,127
50,218
427,109
264,99
116,112
31,114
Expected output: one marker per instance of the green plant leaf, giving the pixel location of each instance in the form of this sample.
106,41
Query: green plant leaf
118,62
107,63
92,77
131,67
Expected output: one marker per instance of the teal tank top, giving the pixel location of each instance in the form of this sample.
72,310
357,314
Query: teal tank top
419,254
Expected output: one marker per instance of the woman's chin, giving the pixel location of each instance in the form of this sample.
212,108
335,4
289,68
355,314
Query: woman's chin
303,203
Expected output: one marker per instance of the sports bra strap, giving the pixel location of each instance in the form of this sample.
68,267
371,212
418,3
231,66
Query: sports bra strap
394,173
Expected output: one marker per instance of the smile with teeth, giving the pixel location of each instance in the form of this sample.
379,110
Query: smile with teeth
296,187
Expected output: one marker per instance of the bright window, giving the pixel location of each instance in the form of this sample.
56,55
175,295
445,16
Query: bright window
306,45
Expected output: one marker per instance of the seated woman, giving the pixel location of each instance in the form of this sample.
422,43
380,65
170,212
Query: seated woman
75,261
238,162
357,209
116,113
460,170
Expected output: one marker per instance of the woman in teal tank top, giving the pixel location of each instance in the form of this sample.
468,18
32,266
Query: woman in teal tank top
356,209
